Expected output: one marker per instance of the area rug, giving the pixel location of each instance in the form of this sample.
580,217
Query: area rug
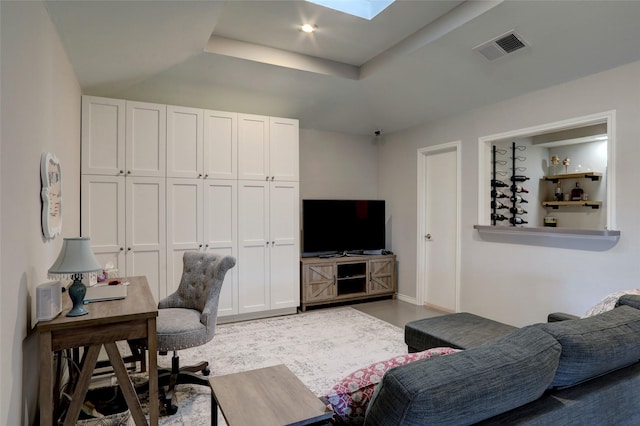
320,347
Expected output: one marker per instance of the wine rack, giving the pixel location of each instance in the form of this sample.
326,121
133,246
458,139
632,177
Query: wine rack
501,209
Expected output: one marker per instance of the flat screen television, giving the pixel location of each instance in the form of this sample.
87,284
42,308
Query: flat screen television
338,226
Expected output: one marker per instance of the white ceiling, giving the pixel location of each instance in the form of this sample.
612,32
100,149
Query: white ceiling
411,64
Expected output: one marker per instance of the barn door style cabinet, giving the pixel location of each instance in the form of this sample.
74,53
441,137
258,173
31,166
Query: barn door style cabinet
158,180
338,279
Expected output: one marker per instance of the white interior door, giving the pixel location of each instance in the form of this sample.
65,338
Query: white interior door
438,227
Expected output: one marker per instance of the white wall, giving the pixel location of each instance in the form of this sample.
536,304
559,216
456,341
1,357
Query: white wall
336,165
516,283
40,113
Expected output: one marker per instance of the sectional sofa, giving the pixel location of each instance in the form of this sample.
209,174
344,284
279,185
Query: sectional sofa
569,371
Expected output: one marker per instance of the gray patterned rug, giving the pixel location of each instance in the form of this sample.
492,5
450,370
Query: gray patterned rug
320,347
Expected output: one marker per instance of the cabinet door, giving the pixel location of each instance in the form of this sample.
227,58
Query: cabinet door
221,236
146,231
184,225
184,142
146,136
253,242
319,282
381,275
253,147
103,136
220,145
284,231
284,137
103,218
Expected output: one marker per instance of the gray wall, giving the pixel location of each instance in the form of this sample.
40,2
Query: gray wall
336,165
40,113
518,283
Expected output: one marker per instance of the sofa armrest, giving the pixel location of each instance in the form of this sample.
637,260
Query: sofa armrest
560,316
632,300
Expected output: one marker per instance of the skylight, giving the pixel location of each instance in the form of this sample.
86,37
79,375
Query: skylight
367,9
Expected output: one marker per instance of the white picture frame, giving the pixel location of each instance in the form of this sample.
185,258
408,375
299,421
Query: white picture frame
51,194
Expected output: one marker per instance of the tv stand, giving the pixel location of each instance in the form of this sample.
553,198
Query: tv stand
345,278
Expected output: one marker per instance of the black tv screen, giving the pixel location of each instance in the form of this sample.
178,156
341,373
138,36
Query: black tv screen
342,225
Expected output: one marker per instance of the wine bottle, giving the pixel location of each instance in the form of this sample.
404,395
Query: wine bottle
497,183
518,199
518,188
498,217
498,194
576,193
498,205
517,221
517,210
519,178
558,194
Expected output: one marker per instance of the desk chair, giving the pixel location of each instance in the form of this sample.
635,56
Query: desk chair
187,318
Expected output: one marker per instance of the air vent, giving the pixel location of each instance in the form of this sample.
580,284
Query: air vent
501,46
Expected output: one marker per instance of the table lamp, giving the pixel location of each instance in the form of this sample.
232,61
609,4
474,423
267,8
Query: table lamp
74,260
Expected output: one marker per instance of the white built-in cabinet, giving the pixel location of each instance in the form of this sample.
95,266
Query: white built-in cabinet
160,180
123,199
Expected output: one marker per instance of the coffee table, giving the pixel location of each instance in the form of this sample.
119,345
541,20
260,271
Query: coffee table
271,396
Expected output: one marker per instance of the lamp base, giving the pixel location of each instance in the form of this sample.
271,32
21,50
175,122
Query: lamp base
77,290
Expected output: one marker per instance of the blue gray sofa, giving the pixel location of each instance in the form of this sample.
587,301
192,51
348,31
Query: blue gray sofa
566,372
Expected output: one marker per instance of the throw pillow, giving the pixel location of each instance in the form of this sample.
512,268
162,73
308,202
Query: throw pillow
608,302
349,398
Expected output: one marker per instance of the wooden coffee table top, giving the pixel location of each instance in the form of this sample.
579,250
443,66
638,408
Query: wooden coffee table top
271,396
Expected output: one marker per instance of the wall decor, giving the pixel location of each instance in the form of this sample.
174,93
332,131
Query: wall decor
51,194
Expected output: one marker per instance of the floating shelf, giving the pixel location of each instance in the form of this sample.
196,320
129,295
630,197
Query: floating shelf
555,204
586,175
582,239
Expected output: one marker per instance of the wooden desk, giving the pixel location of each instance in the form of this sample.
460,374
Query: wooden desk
107,322
271,396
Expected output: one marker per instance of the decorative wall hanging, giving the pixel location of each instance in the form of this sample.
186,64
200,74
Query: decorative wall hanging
51,195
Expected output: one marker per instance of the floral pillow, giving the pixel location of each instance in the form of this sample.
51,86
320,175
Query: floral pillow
349,398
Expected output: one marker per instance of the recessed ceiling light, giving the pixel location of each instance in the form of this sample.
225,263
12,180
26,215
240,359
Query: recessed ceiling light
308,28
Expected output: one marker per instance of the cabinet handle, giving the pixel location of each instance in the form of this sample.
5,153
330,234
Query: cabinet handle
128,248
199,245
273,243
273,177
267,243
206,176
128,172
266,178
121,248
121,172
199,175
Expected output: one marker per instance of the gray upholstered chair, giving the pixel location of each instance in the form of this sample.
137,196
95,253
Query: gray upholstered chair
187,318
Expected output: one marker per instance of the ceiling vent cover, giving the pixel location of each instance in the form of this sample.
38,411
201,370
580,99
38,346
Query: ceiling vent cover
501,46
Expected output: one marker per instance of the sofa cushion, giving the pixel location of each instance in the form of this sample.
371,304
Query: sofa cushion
349,397
468,386
595,345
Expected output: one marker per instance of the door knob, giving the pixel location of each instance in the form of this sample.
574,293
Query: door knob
428,236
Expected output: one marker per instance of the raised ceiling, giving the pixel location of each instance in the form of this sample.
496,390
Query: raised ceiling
411,64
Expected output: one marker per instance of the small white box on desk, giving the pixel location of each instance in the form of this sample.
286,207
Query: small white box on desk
48,300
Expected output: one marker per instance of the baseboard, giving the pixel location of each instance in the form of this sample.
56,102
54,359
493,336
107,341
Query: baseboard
407,299
256,315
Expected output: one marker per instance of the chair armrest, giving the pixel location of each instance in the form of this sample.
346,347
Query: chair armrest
560,316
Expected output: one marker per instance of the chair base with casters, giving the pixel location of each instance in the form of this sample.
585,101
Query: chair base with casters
169,378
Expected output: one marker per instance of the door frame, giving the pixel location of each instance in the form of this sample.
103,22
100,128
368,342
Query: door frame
423,154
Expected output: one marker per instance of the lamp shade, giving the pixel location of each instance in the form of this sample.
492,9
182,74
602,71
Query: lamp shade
75,257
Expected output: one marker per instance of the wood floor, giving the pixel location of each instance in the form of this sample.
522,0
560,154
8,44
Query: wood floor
395,311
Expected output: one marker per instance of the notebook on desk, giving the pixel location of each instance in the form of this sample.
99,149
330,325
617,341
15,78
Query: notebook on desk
101,293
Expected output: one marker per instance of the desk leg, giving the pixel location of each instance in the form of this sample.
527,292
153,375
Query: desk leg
124,381
46,380
83,384
152,345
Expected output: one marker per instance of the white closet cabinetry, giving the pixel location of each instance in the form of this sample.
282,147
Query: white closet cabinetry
123,137
202,215
268,148
201,143
268,245
123,186
125,219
